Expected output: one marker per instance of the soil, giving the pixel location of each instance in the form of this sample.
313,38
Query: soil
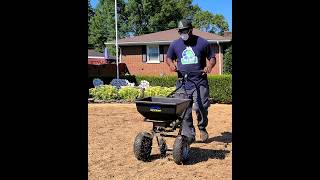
113,127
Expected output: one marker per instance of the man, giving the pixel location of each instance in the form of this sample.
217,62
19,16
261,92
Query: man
193,53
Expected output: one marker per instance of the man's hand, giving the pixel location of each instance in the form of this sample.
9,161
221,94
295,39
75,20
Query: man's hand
210,64
173,67
207,70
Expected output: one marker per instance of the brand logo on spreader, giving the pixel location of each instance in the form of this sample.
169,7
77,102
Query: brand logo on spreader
155,109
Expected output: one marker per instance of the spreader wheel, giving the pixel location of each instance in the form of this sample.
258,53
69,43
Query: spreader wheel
180,149
142,146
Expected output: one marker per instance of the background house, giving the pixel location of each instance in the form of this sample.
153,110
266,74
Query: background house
145,54
98,58
95,58
103,68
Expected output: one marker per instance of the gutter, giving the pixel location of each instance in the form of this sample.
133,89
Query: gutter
95,57
157,42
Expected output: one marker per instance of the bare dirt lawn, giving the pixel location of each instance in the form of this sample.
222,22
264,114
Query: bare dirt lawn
113,127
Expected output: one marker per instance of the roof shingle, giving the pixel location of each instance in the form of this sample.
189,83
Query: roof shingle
92,52
167,37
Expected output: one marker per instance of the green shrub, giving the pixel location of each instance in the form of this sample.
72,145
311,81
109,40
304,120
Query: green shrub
227,65
129,93
104,92
220,87
158,91
164,81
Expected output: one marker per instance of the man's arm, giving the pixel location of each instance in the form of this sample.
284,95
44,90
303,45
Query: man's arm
171,55
171,65
210,64
210,60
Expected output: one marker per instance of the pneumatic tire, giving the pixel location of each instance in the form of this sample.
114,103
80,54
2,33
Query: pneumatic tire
142,146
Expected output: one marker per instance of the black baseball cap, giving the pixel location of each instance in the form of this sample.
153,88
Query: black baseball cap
184,24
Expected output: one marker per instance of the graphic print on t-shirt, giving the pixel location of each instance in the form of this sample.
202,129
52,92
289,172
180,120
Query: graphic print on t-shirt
188,56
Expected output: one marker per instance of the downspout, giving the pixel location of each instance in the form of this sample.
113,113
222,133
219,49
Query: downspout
120,55
219,59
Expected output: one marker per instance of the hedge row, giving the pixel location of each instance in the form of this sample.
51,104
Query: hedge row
109,92
220,86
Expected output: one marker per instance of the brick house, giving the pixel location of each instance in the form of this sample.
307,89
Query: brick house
146,54
95,58
100,66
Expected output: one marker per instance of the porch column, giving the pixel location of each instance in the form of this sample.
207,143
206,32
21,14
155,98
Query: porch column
219,59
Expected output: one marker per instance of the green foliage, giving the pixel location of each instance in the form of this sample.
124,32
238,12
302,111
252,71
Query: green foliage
208,22
227,65
99,29
137,17
90,15
220,87
147,16
104,92
90,11
158,91
102,25
129,93
164,81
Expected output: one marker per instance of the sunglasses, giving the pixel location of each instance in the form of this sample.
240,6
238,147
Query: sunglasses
183,31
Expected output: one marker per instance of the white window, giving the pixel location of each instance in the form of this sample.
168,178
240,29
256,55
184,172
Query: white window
153,54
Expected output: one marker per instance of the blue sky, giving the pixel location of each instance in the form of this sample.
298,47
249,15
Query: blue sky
223,7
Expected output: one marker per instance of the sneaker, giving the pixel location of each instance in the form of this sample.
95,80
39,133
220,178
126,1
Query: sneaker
204,135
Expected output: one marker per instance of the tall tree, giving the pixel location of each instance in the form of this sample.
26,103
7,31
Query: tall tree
147,16
139,13
98,26
227,66
90,12
166,16
219,24
102,26
136,17
214,23
90,15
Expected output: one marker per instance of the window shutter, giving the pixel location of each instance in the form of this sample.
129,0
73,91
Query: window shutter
144,54
161,53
